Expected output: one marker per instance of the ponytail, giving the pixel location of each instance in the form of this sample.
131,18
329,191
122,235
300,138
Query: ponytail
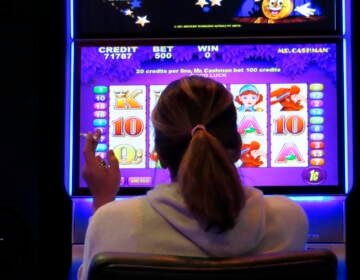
196,138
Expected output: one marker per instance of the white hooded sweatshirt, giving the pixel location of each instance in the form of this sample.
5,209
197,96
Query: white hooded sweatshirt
159,222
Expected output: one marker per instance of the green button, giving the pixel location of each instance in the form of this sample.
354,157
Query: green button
100,89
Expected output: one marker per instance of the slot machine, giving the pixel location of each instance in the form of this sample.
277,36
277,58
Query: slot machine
295,63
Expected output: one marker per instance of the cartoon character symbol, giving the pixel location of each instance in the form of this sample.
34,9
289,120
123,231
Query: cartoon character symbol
275,10
289,98
248,97
251,155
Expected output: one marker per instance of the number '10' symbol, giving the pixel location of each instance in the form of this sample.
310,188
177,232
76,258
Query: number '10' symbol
292,124
128,126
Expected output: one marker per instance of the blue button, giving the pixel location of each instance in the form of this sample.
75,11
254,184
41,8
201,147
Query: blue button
101,147
316,95
100,98
100,122
316,128
316,111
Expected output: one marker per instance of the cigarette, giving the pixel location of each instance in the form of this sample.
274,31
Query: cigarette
85,136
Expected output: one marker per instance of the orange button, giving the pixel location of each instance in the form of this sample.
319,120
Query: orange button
317,161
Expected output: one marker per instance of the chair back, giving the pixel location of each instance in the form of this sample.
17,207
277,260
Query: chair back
319,264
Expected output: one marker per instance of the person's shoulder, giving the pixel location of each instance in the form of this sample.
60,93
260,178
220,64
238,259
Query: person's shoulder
252,192
287,225
284,209
274,203
123,206
111,216
282,203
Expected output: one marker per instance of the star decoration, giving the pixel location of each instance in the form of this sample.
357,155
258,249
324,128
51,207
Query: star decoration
215,2
128,12
142,21
201,3
135,4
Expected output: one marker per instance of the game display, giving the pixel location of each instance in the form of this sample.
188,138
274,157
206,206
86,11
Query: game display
288,97
169,18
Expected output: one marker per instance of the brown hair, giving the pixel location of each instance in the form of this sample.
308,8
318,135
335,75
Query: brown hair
202,163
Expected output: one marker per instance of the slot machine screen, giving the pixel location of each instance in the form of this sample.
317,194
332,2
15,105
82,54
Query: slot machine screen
289,99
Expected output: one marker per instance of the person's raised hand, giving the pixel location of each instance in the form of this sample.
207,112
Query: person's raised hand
102,178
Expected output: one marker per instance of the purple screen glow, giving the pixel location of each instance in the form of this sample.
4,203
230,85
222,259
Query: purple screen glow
285,94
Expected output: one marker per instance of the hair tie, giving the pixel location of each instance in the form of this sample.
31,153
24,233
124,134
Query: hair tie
196,128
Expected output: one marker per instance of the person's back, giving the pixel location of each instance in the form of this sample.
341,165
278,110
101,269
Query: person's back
205,211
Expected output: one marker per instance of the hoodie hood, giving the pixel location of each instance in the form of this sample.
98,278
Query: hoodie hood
249,230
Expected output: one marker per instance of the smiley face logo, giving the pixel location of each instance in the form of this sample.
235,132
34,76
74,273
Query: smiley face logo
277,9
